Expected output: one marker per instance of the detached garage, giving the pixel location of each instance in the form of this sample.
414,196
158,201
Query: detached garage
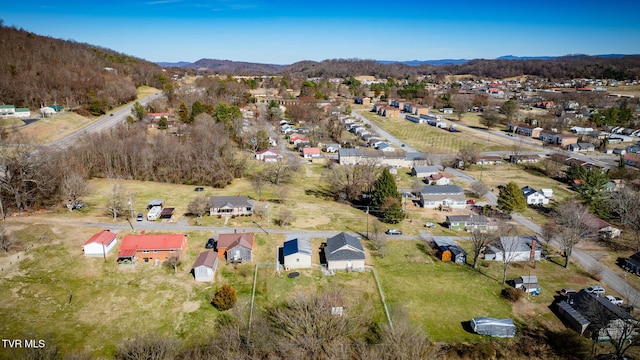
100,244
494,327
205,266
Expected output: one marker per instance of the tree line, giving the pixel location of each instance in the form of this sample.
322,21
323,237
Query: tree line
37,70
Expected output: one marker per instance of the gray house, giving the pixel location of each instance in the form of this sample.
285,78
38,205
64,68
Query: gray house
424,171
230,205
445,196
204,268
236,247
597,317
344,252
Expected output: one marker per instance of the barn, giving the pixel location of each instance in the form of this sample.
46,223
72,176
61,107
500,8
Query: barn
204,268
100,244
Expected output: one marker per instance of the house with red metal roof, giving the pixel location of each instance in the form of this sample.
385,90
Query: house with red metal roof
100,244
151,248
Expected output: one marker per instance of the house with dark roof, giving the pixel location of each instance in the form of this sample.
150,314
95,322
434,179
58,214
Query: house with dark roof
235,247
296,254
230,205
442,196
424,171
204,268
100,244
469,223
597,318
632,264
151,248
534,197
344,252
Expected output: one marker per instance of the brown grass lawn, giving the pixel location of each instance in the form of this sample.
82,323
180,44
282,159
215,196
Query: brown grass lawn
430,139
65,123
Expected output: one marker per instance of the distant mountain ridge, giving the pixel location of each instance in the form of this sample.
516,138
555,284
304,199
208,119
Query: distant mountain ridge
226,66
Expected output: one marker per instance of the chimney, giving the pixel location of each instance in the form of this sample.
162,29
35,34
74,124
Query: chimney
532,257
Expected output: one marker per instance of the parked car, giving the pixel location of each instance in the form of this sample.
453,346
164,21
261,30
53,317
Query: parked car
595,289
429,224
139,217
471,202
210,243
614,300
566,292
198,189
393,232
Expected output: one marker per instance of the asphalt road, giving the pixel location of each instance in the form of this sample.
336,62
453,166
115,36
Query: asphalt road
103,123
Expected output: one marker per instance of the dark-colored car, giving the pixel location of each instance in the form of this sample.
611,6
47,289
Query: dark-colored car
140,217
211,243
198,189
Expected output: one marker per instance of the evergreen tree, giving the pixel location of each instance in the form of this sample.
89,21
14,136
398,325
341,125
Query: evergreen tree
386,198
511,199
592,192
183,113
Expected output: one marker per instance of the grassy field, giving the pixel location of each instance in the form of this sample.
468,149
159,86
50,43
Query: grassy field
430,139
62,124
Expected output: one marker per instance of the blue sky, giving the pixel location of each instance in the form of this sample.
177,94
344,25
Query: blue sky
286,31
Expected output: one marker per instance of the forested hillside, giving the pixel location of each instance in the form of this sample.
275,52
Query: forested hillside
37,70
565,67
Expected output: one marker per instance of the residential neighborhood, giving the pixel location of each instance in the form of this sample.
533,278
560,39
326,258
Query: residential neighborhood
220,209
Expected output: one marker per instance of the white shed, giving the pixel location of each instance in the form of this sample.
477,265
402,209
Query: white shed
204,268
100,244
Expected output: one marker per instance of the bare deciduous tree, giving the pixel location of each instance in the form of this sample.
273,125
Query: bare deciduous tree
73,187
147,347
570,223
508,244
348,183
285,217
479,188
116,204
7,240
377,240
479,242
468,154
172,262
198,207
625,205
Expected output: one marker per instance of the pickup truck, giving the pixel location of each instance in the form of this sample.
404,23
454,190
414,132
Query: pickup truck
614,300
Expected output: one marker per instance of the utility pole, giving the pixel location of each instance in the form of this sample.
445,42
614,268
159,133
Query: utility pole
367,215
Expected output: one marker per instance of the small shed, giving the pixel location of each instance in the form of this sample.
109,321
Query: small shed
528,284
448,250
167,213
494,327
204,268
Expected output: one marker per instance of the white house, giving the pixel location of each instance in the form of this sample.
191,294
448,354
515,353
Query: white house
534,197
445,197
100,244
514,249
204,268
268,155
296,254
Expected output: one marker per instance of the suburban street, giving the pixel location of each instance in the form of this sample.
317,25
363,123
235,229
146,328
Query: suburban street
588,262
